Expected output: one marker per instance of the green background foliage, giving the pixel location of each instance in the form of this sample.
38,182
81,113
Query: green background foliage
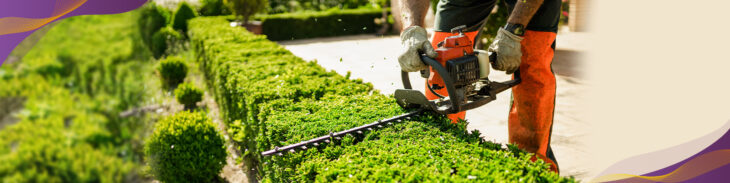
186,147
292,6
494,22
72,85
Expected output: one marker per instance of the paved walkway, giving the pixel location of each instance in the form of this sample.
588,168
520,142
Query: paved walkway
374,59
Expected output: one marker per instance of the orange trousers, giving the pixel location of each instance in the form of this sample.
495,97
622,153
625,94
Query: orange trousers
533,100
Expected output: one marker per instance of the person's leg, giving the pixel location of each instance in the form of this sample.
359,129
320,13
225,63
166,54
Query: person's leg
533,100
452,13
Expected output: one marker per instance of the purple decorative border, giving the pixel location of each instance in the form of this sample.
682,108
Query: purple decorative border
719,174
722,172
45,8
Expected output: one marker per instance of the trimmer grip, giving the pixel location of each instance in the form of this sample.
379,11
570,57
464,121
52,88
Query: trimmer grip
516,80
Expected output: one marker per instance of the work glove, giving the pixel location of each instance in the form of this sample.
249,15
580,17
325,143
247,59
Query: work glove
507,46
414,41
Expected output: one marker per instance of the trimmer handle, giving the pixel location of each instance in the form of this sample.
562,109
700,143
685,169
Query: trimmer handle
444,74
516,75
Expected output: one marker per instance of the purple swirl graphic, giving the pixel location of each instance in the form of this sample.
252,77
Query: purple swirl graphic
711,164
19,19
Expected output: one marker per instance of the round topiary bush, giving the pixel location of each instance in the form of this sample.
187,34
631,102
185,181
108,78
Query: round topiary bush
172,71
187,94
163,40
151,19
185,147
184,13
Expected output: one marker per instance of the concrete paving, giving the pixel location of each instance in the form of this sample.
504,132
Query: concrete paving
374,59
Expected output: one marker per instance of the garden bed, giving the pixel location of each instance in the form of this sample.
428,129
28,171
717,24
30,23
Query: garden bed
268,97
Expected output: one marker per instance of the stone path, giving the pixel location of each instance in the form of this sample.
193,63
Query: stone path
374,59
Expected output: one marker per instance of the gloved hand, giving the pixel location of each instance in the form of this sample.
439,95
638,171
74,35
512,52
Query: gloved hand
414,41
507,46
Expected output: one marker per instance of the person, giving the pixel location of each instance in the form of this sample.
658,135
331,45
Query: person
527,42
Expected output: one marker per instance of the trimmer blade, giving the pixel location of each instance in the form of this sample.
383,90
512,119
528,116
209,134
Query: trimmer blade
411,98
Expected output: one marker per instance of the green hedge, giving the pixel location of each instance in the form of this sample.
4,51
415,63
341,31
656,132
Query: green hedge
268,97
334,22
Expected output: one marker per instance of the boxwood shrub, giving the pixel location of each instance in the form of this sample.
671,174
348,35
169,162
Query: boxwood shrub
188,94
186,147
164,40
213,8
268,98
172,71
151,19
333,22
183,13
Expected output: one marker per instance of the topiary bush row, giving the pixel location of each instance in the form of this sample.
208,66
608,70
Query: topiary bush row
268,98
333,22
162,30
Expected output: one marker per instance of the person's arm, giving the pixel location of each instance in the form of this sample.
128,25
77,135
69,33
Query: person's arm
523,11
507,43
413,12
413,37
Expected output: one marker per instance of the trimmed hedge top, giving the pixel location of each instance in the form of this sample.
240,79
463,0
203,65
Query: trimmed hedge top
271,98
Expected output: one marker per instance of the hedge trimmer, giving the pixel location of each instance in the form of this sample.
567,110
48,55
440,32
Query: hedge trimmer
465,80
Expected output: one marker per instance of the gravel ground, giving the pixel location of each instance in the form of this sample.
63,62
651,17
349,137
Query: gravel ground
374,59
